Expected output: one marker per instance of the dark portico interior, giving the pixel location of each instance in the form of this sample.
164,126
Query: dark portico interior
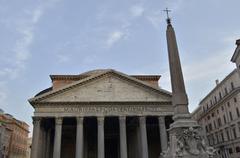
111,137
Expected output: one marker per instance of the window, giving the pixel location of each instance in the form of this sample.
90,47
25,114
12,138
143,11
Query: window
212,114
230,150
213,138
215,99
238,149
230,114
220,95
219,122
209,140
234,132
237,110
224,118
226,91
228,104
210,127
206,127
222,136
239,126
214,124
216,135
228,135
222,108
235,100
232,85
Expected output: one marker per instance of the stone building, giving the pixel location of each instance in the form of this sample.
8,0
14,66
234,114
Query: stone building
5,138
219,113
29,142
16,135
101,114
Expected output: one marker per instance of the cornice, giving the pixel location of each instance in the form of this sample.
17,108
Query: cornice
79,77
167,103
224,99
219,85
236,52
68,77
147,77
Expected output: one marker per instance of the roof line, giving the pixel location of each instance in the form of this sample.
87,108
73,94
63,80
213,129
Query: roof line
231,73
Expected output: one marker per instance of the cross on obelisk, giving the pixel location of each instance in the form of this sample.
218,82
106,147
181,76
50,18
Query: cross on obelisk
167,11
168,18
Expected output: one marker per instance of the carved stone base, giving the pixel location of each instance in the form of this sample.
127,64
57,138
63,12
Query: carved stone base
187,141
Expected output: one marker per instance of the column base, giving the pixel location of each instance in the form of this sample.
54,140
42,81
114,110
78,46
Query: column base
187,141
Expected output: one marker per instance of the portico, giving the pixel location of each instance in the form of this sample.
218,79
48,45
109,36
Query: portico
107,116
100,137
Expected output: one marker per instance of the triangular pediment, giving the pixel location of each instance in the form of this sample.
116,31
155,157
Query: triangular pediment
111,86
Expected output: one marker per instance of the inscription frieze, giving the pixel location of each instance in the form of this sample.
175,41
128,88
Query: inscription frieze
110,109
104,110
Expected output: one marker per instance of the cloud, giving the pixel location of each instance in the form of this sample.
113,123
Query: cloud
174,5
63,58
37,13
9,72
155,18
22,45
3,97
137,10
206,70
3,94
231,39
90,59
24,26
114,37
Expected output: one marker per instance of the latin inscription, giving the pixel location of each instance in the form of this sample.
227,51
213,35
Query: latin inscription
110,109
103,110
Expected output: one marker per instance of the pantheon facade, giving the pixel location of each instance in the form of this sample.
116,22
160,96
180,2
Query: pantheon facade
101,114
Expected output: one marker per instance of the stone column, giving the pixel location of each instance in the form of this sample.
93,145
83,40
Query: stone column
123,137
42,142
163,133
48,139
101,152
143,133
79,141
57,138
35,137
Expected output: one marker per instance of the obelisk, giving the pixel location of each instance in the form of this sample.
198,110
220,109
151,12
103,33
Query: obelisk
186,139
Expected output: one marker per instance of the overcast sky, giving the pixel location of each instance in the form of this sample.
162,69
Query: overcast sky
43,37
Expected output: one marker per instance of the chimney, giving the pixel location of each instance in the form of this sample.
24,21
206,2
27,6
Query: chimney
217,82
238,42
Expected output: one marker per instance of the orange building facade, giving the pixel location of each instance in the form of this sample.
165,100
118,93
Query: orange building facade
16,136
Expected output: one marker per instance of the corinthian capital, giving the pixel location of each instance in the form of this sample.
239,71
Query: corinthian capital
161,119
79,120
100,120
36,120
58,120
